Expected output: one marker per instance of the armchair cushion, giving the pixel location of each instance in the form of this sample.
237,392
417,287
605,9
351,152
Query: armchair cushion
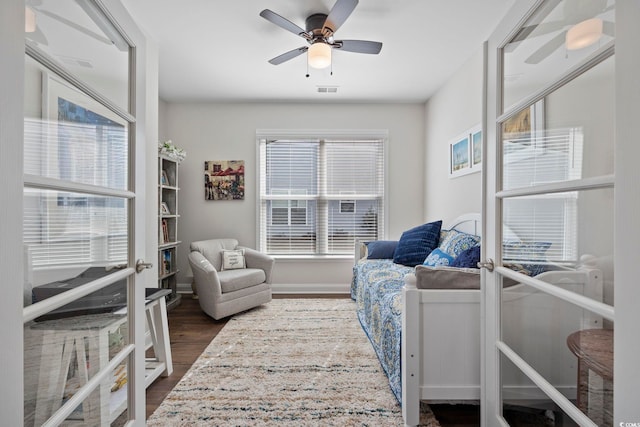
234,280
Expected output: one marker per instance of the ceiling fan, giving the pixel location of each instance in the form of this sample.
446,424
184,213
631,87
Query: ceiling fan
319,33
575,13
92,11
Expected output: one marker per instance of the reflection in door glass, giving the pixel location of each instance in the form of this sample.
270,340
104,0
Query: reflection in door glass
556,38
568,135
79,37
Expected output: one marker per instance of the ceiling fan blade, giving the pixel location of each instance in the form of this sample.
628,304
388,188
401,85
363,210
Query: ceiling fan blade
75,26
283,23
339,13
288,55
547,49
359,46
37,36
540,29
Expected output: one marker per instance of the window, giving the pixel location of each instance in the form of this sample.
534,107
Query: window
347,206
289,212
317,196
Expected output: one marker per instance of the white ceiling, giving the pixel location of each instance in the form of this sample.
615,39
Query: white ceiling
214,51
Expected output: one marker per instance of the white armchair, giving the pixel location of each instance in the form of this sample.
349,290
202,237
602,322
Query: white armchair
222,293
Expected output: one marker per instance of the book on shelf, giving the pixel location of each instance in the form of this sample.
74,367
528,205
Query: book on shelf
166,261
165,232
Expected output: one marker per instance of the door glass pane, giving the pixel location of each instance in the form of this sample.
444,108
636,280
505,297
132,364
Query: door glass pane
64,231
68,347
524,403
558,36
69,136
560,231
569,135
80,38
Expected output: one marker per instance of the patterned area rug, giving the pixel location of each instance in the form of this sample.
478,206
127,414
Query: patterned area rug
292,362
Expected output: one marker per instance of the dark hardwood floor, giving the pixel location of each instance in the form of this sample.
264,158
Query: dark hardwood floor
191,330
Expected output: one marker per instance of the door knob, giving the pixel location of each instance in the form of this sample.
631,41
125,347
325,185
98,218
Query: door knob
141,265
488,264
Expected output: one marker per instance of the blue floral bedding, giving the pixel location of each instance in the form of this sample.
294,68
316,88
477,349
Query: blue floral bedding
377,289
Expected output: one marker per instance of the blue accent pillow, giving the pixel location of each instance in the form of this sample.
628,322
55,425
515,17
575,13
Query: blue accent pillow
456,241
415,244
437,257
381,249
468,258
523,253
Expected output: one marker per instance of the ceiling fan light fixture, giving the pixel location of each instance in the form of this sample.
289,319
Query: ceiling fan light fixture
29,20
584,34
319,55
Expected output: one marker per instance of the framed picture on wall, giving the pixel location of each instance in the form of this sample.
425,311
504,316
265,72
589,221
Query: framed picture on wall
224,180
465,153
476,148
459,163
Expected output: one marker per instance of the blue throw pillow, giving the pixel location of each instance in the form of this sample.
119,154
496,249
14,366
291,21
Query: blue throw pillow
381,249
523,253
437,257
456,241
468,258
415,244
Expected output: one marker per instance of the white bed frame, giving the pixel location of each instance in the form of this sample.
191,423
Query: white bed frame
441,335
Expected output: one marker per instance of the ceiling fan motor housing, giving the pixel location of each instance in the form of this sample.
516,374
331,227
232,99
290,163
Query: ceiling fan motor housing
314,24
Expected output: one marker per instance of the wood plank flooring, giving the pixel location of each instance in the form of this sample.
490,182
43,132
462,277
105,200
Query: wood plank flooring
191,330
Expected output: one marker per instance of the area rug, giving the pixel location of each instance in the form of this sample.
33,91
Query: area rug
292,362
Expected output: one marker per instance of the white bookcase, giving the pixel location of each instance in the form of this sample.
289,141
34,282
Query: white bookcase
168,216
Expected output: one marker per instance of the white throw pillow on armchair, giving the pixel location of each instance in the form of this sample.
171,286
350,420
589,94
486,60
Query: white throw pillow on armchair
233,259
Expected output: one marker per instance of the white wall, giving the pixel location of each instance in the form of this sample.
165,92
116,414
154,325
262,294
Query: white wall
455,108
227,132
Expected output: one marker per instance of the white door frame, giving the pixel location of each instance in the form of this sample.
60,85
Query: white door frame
11,211
12,52
626,208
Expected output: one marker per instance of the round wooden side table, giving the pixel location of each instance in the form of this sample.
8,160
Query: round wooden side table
594,350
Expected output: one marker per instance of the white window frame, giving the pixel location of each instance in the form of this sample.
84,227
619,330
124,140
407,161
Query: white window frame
292,134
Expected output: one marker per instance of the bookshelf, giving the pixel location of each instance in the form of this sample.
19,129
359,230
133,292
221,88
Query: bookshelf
168,227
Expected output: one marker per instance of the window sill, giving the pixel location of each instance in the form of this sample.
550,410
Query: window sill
313,258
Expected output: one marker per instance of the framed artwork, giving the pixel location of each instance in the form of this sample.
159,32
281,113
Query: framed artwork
164,179
224,180
465,153
459,156
164,209
75,127
476,148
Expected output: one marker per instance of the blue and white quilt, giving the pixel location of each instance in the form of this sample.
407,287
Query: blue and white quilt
376,288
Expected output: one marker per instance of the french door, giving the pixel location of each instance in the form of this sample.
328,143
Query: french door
80,239
557,197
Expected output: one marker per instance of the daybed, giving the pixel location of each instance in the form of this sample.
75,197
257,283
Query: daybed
428,340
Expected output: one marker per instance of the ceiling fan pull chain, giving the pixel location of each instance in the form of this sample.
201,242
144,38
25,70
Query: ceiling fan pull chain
331,64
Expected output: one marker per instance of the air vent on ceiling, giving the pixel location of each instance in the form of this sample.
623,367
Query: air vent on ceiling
327,89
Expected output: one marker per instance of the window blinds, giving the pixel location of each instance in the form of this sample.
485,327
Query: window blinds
66,228
318,196
543,220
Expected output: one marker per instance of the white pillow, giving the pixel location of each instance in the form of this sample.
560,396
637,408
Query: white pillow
232,260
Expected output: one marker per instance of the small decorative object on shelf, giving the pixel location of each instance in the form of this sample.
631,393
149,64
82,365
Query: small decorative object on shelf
169,150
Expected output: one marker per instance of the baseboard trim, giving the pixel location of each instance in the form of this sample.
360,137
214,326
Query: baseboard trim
292,288
310,288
